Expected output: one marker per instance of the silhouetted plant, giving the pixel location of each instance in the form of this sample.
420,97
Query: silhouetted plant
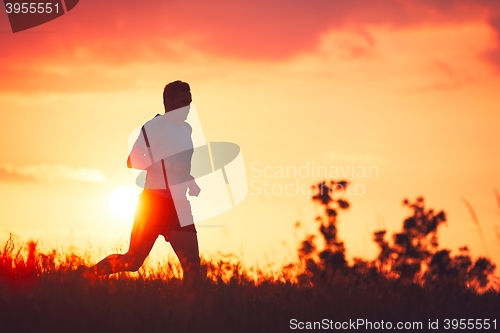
321,263
415,256
414,245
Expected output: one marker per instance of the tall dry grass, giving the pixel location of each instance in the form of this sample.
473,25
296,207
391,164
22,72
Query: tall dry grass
40,292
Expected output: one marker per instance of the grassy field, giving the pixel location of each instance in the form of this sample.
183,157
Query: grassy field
40,292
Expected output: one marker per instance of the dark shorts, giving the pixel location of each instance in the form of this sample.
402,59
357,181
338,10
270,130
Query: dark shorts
155,214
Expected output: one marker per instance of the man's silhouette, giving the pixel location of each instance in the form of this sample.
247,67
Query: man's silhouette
164,148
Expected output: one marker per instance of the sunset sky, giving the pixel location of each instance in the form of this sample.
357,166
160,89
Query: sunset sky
408,88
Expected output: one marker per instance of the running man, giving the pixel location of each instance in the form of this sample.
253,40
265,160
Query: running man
164,149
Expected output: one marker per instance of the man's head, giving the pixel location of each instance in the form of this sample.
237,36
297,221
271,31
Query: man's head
176,95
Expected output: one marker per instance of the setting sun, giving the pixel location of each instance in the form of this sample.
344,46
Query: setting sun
123,201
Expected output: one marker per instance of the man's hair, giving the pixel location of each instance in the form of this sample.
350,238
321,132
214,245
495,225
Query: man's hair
172,89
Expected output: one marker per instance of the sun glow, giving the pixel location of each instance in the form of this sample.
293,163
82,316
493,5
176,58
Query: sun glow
123,201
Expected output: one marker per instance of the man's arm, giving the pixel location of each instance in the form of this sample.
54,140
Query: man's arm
129,164
194,189
140,156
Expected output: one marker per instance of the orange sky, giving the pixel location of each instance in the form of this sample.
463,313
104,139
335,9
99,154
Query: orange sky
408,87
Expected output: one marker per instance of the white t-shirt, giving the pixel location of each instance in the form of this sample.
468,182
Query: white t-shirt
169,139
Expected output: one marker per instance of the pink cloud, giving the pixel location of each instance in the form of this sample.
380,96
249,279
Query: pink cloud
115,32
493,55
245,29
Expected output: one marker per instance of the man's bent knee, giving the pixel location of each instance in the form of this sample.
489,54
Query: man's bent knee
132,262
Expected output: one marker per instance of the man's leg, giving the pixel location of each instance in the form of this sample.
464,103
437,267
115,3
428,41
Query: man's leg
185,245
142,240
